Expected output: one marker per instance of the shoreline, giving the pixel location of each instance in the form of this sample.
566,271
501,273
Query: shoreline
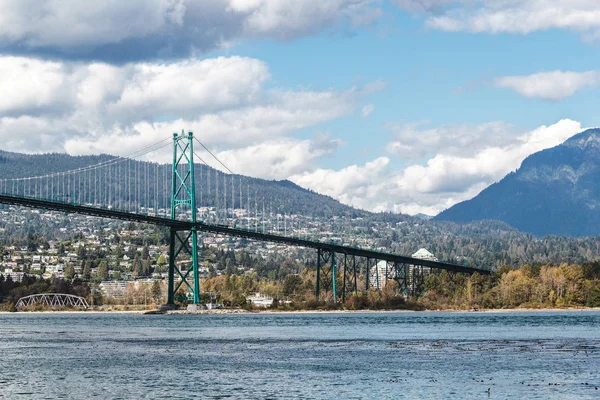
290,312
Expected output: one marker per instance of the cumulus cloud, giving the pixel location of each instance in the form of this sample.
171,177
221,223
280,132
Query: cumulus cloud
120,31
444,179
189,87
357,185
31,85
281,115
412,141
554,85
227,102
279,158
509,16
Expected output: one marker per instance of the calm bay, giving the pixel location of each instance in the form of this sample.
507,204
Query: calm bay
528,355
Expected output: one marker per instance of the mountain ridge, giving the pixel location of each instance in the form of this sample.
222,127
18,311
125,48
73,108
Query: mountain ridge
553,192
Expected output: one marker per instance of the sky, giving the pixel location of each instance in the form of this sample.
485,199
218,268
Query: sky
408,106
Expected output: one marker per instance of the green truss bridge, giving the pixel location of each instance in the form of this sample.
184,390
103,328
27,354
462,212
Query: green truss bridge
165,195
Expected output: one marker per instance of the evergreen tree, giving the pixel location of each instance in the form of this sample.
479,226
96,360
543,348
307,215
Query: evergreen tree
69,271
145,253
82,253
146,267
102,270
137,267
86,268
156,292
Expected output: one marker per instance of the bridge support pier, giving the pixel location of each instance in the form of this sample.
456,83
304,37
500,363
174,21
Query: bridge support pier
326,273
401,274
180,247
350,284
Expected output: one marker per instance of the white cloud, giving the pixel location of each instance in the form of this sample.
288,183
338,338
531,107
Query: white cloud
29,84
509,16
367,110
234,128
357,185
554,85
410,141
190,88
277,159
90,108
422,5
445,179
166,29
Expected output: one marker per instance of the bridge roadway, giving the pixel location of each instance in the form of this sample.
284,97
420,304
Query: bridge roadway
225,230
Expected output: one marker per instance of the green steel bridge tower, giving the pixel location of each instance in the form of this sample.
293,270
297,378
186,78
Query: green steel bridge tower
183,198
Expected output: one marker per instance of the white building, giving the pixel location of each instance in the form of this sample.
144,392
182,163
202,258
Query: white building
15,276
378,275
260,300
113,288
424,254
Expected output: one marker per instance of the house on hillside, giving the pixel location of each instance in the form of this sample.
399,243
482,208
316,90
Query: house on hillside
424,254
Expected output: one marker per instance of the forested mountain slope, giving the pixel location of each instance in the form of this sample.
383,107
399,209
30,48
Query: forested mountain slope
554,192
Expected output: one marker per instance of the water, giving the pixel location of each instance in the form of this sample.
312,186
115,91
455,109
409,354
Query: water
540,355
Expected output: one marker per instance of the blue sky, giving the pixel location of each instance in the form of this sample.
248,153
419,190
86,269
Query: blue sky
402,105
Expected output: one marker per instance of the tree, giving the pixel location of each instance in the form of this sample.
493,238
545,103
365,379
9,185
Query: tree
137,266
81,253
156,291
292,285
119,252
87,270
32,243
162,262
69,271
229,267
145,253
102,270
146,267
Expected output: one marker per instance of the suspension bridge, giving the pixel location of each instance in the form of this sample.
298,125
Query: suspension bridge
168,195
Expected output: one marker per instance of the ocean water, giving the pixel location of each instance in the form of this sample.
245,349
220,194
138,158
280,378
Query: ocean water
517,355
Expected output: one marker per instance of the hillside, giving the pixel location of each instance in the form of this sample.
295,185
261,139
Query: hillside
554,192
479,243
279,196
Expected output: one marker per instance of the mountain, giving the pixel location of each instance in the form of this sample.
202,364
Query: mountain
555,192
213,187
489,244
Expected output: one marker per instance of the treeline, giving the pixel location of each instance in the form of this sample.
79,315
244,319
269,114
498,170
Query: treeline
538,286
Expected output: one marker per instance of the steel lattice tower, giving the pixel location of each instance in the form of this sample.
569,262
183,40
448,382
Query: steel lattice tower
183,196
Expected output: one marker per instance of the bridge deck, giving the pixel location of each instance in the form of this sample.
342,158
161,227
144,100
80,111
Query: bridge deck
225,230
